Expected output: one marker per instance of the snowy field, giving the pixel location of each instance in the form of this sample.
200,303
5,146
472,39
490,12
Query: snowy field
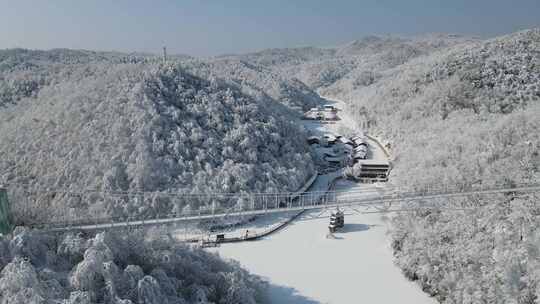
303,266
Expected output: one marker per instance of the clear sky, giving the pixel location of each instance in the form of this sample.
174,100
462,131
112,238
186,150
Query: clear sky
207,27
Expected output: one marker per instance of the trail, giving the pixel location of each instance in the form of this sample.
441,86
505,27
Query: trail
305,267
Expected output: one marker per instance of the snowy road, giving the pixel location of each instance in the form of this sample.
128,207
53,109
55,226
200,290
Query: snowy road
303,266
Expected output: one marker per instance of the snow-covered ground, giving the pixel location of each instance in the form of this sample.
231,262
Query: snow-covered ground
261,223
304,266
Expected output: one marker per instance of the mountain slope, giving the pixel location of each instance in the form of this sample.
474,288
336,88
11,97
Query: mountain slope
139,127
465,115
345,67
459,112
258,81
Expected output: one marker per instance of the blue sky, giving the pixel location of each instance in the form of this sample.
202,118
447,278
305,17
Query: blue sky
206,27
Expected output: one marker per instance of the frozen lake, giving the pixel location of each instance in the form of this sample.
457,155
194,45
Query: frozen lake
303,266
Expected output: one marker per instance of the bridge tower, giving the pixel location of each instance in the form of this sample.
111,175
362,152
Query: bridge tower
164,54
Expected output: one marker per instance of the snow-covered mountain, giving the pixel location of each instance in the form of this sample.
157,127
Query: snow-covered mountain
457,111
142,127
350,64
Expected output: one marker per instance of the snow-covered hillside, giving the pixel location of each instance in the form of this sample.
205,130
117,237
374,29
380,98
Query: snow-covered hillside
456,111
468,114
461,115
352,65
117,268
257,80
133,127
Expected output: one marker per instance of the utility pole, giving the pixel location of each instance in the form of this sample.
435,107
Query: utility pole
164,54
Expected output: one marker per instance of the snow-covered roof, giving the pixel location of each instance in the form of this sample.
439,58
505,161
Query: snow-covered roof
375,162
329,115
360,155
337,213
360,141
359,149
330,136
345,140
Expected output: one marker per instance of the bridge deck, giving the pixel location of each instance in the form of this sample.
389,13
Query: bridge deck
303,202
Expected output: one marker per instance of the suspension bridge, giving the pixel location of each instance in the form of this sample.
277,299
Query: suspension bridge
384,199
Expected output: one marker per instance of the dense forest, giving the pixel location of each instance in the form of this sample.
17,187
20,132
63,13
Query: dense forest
468,116
117,268
91,122
107,126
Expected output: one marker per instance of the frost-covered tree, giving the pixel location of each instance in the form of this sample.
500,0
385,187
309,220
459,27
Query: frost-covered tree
118,268
141,127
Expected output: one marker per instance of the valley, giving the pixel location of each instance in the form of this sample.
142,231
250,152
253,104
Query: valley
138,178
304,266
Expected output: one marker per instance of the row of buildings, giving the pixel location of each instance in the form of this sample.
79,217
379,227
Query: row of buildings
353,152
325,113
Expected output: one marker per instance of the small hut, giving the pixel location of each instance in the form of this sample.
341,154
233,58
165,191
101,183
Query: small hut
337,220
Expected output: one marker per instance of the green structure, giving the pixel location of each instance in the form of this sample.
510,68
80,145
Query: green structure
5,220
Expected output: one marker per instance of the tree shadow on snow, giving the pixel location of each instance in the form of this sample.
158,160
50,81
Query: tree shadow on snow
348,228
355,227
282,294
